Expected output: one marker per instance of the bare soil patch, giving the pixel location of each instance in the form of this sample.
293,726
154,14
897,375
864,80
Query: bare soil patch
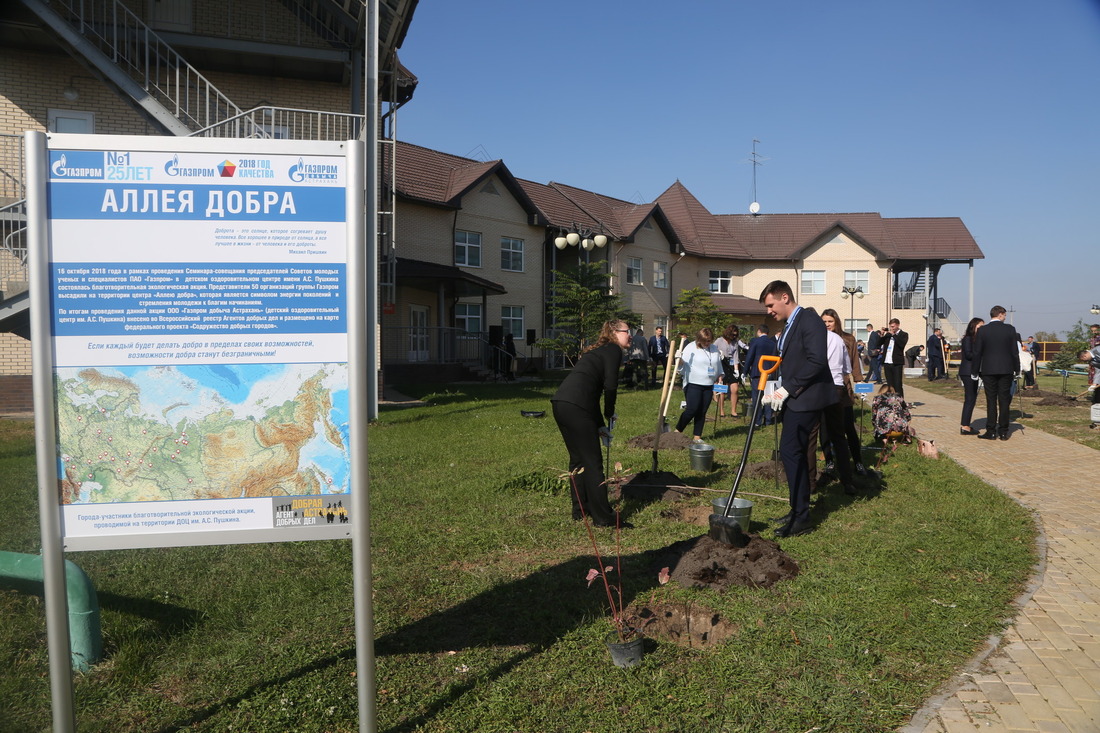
649,486
701,562
684,624
670,440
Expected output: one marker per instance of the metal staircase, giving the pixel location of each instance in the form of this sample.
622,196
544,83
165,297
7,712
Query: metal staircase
122,50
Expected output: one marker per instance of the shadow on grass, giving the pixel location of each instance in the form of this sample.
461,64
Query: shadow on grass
533,612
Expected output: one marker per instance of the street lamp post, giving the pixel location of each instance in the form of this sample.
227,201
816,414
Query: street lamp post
853,293
585,238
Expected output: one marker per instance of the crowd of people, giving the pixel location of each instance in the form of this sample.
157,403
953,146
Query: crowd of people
813,396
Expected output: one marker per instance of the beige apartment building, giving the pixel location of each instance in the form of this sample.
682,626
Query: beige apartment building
468,247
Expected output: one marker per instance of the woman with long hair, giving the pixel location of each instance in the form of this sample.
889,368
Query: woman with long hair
834,324
576,407
729,348
967,376
701,366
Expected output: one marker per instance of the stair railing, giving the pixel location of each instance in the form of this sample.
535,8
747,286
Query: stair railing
147,59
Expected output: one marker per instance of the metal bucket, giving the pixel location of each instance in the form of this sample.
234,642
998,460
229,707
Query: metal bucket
702,456
740,513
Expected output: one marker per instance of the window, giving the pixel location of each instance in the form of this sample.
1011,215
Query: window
813,282
858,326
857,279
68,120
633,270
662,323
721,281
511,320
467,248
660,274
468,318
511,254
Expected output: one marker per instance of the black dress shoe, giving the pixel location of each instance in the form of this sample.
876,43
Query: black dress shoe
785,519
794,529
1004,435
988,435
850,490
967,431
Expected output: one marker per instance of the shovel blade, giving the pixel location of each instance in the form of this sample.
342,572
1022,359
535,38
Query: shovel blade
727,531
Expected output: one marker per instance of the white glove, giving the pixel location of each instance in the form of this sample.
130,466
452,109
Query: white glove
775,399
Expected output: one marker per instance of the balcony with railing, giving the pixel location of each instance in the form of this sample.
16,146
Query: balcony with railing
284,123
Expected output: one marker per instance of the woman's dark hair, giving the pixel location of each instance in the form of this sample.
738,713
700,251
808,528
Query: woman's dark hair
836,319
972,327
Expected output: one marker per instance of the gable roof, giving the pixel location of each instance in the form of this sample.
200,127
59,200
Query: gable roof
440,179
699,231
786,236
432,177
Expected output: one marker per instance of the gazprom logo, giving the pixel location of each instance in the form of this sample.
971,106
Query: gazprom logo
174,169
303,171
76,165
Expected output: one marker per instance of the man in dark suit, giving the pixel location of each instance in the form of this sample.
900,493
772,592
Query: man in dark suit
658,352
874,354
893,355
762,345
934,355
805,389
997,360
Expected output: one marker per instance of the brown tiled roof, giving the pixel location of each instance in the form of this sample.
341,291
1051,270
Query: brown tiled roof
438,178
786,236
698,230
441,179
932,238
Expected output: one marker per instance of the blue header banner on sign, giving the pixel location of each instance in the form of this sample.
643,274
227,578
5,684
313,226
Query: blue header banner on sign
863,388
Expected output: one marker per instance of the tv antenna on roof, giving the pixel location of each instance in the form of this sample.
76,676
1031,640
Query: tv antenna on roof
756,160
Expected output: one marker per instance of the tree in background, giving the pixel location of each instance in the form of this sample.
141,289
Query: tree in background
580,303
695,309
1077,338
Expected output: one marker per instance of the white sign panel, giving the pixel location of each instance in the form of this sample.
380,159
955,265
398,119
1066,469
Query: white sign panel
199,324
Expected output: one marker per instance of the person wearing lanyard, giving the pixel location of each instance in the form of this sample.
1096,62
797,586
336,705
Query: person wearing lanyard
805,389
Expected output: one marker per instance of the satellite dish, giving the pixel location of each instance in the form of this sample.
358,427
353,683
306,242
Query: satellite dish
754,208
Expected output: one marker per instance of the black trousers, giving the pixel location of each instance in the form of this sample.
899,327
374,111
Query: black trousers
698,400
935,369
580,430
832,418
893,374
794,450
970,398
998,400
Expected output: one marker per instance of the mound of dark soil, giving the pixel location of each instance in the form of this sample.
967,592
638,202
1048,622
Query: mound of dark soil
1055,399
700,562
672,441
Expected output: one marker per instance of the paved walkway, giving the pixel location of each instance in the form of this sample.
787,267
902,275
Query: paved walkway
1044,673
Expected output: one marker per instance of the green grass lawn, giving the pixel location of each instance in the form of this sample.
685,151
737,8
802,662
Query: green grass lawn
484,621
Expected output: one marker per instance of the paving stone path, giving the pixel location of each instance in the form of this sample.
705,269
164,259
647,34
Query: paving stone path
1044,673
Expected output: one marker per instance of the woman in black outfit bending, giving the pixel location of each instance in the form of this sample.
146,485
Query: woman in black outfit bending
577,412
968,377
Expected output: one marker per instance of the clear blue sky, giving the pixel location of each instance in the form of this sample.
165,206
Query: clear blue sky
988,110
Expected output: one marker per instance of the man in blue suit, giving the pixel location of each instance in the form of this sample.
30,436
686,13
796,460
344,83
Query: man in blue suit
805,389
997,359
762,345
